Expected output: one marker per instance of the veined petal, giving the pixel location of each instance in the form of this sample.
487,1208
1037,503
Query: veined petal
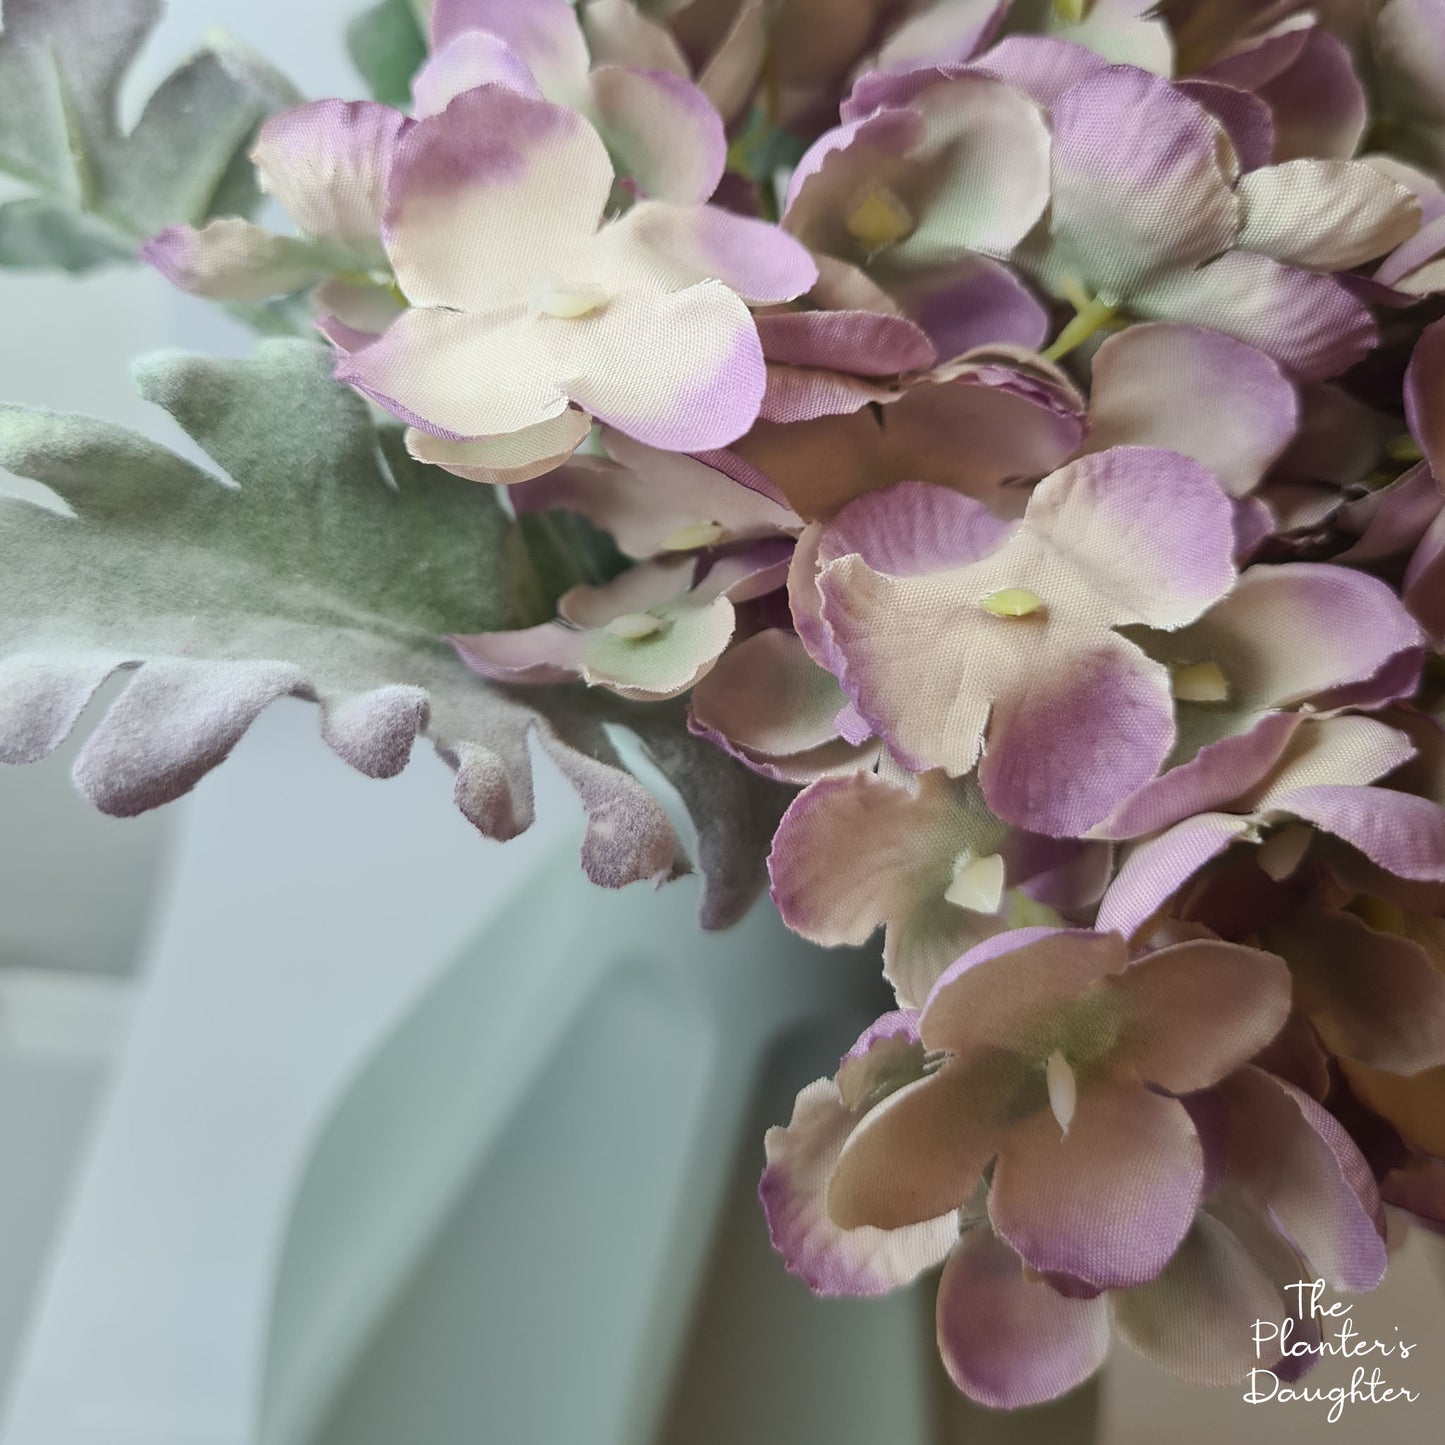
327,164
233,260
1325,215
662,132
489,195
1008,1341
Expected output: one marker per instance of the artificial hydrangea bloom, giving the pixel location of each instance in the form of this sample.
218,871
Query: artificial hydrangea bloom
952,629
925,859
1051,1038
1304,771
522,300
662,132
327,164
649,634
1150,215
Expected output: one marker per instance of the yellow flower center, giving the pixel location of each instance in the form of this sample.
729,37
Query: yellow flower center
1063,1089
878,218
566,300
977,883
1200,682
695,535
634,626
1012,602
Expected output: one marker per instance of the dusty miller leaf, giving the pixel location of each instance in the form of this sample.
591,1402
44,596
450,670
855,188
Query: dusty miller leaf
387,47
62,66
326,564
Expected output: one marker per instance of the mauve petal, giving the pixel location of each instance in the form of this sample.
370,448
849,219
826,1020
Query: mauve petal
488,195
1333,751
661,130
456,375
998,990
533,656
1199,1010
619,34
543,33
863,343
1424,586
1297,1160
975,302
327,164
968,428
913,529
1214,777
1325,215
1142,186
1195,391
920,1153
1043,67
682,371
1153,871
471,58
1247,120
653,502
233,260
1413,1105
841,160
1007,1341
1150,530
1425,395
1410,55
499,460
1064,752
1196,1319
896,866
1293,631
1318,100
1371,996
1398,831
1108,1201
763,264
1310,324
768,696
830,1260
942,35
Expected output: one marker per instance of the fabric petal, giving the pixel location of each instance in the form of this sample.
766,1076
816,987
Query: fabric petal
829,1260
1195,391
1398,831
327,164
1310,324
974,302
469,59
233,260
1325,215
544,34
1007,1341
1425,395
487,196
1110,1199
1197,1011
515,457
662,132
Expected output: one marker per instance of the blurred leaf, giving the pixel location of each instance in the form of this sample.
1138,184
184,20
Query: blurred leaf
62,66
326,564
37,233
388,47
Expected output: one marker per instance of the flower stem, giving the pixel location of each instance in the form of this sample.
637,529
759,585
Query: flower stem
1090,316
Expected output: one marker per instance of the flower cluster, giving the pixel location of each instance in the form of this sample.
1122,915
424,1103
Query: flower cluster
1021,432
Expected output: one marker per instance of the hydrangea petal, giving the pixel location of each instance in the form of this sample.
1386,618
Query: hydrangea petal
233,260
942,35
1110,1200
1425,395
1326,215
975,302
830,1260
544,34
1199,1010
469,59
514,457
662,131
1008,1341
327,164
1398,831
1195,391
488,195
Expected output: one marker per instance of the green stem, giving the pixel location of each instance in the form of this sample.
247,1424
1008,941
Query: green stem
1089,318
